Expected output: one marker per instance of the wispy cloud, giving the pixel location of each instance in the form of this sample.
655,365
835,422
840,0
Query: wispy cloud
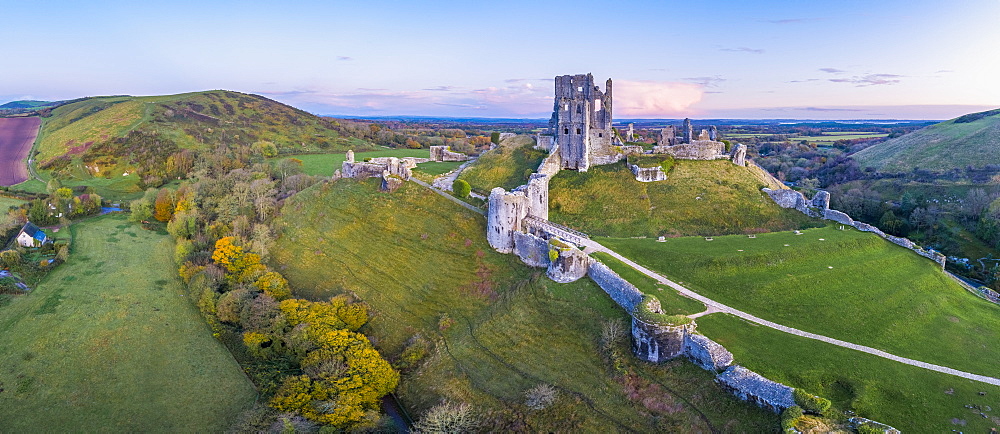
792,20
344,58
832,70
440,88
706,81
869,80
655,98
744,50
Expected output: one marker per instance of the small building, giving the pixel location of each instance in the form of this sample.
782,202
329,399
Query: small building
32,236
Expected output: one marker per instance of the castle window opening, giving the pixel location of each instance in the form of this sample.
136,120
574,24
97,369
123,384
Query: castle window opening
565,130
578,131
600,134
579,108
579,89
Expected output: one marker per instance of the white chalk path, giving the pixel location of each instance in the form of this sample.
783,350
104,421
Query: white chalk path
714,306
450,197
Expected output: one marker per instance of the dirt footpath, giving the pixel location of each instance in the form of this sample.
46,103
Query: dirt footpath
16,138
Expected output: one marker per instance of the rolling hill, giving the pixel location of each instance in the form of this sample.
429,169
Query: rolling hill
27,104
969,140
118,135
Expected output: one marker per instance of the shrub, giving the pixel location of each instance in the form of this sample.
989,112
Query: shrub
540,396
495,138
790,417
811,403
461,188
447,417
868,428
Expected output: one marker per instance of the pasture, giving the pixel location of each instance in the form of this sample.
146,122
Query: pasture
108,342
909,398
845,284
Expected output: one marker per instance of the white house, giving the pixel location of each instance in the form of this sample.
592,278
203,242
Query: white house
31,236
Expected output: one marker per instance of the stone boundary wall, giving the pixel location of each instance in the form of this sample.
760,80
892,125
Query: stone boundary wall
620,290
706,353
819,207
648,174
751,386
544,142
504,136
533,251
552,164
856,422
696,150
444,153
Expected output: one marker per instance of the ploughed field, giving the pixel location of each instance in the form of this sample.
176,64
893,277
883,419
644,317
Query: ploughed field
16,137
109,342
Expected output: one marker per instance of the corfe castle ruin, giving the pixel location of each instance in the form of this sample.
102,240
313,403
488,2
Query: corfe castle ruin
579,136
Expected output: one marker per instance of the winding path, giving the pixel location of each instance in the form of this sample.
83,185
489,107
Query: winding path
715,306
448,196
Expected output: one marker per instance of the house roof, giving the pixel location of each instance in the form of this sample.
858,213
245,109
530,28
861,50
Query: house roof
33,231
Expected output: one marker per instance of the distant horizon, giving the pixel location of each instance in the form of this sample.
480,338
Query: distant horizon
763,59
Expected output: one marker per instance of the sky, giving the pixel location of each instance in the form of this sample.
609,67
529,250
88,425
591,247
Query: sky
817,59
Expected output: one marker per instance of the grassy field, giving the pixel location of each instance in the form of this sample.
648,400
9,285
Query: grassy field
325,164
672,302
107,342
422,265
939,147
698,198
848,285
909,398
830,137
508,165
7,202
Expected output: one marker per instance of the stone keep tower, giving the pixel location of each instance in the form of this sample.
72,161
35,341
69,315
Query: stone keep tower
507,211
581,121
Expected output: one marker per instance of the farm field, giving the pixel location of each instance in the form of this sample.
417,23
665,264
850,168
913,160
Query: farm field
698,198
16,137
422,265
847,284
909,398
834,136
326,164
108,342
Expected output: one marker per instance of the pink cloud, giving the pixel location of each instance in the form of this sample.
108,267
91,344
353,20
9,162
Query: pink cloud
655,99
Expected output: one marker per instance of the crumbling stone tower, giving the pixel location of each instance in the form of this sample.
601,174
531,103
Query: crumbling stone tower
507,211
581,121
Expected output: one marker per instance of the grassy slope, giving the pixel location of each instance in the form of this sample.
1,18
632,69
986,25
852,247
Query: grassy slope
942,146
876,294
108,343
906,397
698,198
508,165
521,331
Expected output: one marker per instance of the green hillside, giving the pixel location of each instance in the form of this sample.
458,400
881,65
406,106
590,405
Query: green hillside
119,135
508,165
24,104
698,198
969,140
495,327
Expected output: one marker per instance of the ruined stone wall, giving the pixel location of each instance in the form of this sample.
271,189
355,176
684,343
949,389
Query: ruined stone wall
739,155
648,174
819,207
668,136
533,251
697,150
537,193
444,153
505,136
753,387
706,353
620,290
581,122
552,164
656,342
544,142
375,167
503,218
569,266
632,150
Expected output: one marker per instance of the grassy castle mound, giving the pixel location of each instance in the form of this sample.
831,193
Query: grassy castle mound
507,165
698,198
